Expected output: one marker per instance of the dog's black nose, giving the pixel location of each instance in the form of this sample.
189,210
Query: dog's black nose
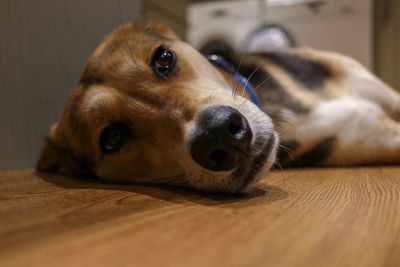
221,136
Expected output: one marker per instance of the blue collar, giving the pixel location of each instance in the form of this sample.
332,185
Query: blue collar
243,81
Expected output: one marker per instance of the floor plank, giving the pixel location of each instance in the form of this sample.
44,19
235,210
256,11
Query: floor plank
315,217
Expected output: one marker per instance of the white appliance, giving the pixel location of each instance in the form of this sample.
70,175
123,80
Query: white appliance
343,26
219,23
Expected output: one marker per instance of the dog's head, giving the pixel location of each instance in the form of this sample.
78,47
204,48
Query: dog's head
149,108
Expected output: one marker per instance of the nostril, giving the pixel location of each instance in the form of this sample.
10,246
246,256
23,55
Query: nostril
218,157
237,126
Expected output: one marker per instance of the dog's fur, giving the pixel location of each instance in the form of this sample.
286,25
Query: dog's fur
327,108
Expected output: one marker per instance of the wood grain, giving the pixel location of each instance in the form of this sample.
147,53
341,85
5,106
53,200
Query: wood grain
318,217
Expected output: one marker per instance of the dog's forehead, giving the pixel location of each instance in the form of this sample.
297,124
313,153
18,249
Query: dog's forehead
122,54
156,36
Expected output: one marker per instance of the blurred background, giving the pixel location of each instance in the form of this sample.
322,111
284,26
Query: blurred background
45,43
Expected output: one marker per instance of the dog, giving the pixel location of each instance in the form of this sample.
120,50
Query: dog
149,108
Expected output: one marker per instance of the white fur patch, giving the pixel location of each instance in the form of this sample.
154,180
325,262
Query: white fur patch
356,126
98,96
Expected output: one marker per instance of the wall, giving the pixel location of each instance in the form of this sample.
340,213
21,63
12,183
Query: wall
387,41
171,13
43,49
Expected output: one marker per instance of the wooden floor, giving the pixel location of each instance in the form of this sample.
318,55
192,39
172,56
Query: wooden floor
326,217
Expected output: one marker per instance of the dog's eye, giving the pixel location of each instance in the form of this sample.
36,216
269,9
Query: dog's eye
163,62
114,137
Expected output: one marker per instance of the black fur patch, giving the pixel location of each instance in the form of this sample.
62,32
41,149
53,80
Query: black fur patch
311,74
270,91
316,155
272,95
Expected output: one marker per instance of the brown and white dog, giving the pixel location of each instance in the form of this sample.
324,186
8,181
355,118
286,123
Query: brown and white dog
149,108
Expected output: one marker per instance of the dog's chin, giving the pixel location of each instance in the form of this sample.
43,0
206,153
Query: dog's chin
251,168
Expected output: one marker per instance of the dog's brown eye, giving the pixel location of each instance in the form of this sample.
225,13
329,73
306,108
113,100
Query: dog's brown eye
163,62
114,137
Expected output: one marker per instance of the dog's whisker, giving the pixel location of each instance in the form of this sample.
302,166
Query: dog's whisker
275,116
278,164
288,150
238,71
282,112
248,81
281,124
250,76
261,83
234,85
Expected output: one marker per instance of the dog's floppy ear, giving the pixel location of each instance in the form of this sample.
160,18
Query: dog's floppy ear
162,30
57,158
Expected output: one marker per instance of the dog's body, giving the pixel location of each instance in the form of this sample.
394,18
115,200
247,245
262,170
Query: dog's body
151,109
329,109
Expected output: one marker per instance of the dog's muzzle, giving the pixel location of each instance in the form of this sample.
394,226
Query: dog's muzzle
221,138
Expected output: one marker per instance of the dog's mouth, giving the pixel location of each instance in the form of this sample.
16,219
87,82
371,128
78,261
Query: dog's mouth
250,167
